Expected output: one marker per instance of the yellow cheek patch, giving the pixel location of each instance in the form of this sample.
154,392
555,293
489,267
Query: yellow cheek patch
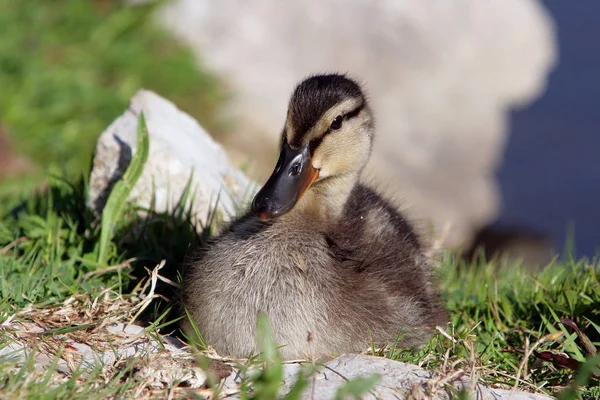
341,153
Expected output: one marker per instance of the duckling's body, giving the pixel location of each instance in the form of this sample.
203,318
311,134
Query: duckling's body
335,271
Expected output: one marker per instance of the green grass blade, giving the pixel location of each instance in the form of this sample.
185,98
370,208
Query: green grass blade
196,337
589,369
122,189
298,388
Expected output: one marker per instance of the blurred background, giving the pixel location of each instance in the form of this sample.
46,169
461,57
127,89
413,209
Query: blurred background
488,112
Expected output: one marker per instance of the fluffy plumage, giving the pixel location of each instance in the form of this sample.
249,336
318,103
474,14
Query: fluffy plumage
342,267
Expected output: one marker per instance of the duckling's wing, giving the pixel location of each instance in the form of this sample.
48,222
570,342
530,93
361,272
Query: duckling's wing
345,255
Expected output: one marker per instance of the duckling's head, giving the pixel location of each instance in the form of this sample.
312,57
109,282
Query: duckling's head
328,134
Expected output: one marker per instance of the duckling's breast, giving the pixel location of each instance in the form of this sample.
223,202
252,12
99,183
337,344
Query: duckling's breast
283,270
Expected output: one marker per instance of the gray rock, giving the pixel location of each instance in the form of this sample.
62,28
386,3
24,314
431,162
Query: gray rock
181,152
169,363
441,76
13,352
397,380
501,394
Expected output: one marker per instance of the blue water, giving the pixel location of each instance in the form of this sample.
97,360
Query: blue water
550,177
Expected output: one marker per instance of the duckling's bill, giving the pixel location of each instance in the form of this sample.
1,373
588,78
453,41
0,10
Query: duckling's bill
293,175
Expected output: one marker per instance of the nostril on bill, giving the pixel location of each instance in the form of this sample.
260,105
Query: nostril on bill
295,169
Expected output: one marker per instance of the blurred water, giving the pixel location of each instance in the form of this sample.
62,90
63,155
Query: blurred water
551,172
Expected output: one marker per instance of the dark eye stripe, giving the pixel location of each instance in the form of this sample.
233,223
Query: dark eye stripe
354,112
313,144
347,116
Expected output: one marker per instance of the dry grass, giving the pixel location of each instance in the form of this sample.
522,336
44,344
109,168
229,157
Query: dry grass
93,342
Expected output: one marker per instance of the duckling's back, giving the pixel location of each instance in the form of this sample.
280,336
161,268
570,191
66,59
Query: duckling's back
376,243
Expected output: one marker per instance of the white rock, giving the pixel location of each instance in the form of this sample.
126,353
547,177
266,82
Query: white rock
122,329
501,394
14,352
441,77
397,380
181,151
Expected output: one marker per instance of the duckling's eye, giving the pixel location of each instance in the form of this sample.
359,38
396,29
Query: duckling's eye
337,123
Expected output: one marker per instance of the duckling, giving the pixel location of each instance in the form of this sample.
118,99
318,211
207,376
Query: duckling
334,266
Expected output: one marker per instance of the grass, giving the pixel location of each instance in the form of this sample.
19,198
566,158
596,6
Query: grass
67,70
499,313
25,380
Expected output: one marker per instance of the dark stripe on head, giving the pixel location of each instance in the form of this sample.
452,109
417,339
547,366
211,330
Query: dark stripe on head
349,115
313,97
